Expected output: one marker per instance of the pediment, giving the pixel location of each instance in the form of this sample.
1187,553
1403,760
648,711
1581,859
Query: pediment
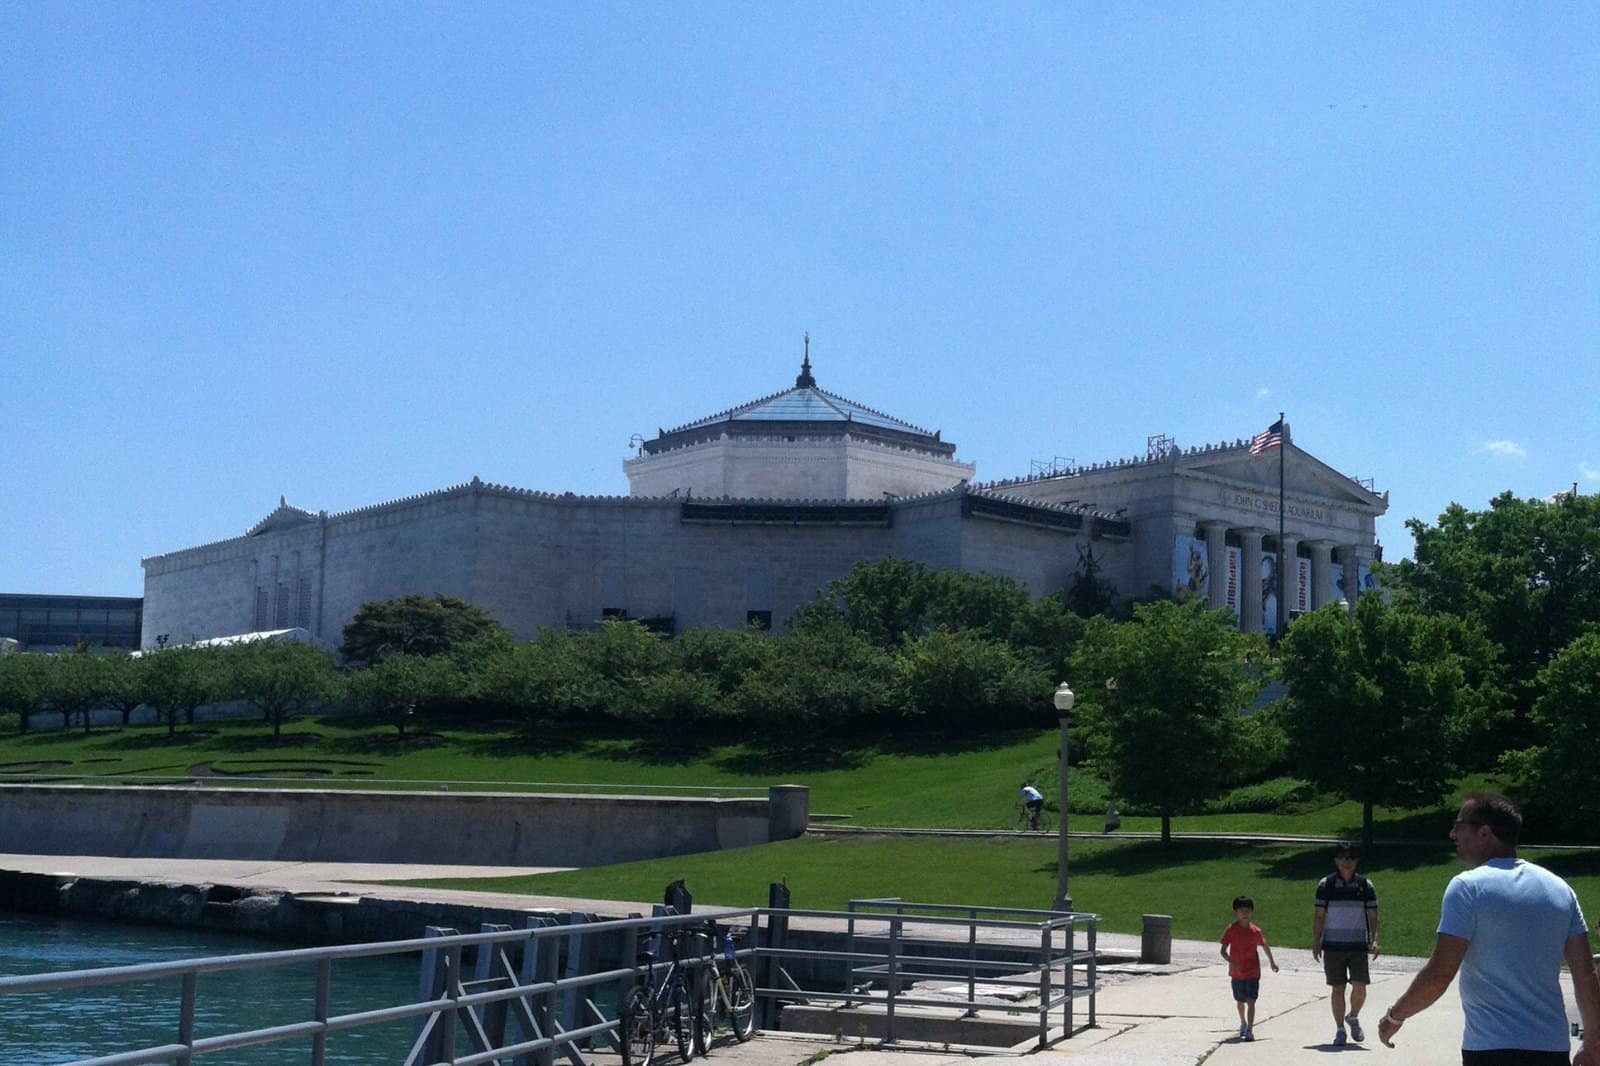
1304,475
284,517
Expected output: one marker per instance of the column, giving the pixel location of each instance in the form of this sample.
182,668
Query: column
1322,590
1352,556
1288,579
1217,561
1250,581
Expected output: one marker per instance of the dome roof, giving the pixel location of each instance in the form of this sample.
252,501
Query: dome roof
804,409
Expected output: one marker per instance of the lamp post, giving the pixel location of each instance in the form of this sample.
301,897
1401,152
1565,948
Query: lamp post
1064,699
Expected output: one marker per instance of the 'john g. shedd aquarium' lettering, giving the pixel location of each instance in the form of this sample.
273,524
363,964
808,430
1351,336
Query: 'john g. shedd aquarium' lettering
1270,506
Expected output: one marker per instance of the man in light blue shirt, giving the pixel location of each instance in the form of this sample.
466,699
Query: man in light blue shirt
1506,925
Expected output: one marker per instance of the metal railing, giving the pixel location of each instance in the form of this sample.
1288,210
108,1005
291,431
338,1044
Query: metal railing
893,943
520,997
517,981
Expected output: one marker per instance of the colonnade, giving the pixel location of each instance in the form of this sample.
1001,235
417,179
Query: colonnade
1251,544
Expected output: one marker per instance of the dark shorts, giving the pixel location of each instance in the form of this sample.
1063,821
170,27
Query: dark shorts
1513,1057
1246,990
1345,967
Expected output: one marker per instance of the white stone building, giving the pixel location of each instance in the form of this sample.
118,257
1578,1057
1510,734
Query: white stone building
744,515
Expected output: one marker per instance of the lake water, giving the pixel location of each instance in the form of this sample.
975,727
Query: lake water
56,1028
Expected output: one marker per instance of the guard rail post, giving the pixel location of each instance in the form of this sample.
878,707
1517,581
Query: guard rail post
1046,942
893,979
432,987
575,952
319,1009
494,1014
1071,934
972,955
1094,975
777,940
191,983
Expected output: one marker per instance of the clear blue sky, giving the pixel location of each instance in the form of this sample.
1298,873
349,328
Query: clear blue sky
347,252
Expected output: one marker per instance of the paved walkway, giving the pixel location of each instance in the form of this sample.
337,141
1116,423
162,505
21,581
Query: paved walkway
1148,1016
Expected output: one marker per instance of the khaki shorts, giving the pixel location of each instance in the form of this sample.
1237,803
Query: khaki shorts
1345,967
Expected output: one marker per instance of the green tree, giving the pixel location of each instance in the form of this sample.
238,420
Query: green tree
618,659
1377,703
965,679
1558,771
542,680
413,625
889,600
76,683
1163,698
396,688
128,684
818,679
1527,570
180,680
281,679
21,686
1090,594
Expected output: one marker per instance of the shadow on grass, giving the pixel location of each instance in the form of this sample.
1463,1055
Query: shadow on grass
390,743
767,761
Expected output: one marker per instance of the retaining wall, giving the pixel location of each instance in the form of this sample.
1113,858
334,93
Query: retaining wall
341,825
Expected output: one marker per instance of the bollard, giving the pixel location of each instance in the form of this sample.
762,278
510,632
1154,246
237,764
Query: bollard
1155,944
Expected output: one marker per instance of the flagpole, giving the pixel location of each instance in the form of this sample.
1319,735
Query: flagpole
1283,580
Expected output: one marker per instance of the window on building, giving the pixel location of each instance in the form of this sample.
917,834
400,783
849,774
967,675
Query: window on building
302,604
614,614
760,619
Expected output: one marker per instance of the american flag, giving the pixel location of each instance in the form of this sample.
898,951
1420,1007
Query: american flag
1267,439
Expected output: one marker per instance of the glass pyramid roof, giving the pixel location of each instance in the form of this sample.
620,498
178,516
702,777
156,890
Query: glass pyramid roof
805,403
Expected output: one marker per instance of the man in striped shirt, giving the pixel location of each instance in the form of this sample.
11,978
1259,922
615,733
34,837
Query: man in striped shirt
1343,932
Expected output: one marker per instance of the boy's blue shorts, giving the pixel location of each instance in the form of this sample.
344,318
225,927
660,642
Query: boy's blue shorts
1245,991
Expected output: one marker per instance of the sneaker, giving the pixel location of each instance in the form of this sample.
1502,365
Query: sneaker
1249,1035
1339,1039
1355,1028
1244,1032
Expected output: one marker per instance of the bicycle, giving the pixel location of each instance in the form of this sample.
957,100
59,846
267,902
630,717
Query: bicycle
653,1009
725,996
1025,822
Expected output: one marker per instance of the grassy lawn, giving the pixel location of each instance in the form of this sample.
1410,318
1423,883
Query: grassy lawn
915,781
1194,881
966,782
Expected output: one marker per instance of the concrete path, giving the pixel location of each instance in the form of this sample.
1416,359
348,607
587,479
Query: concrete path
1181,1013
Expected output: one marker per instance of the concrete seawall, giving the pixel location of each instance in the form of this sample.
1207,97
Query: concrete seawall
340,825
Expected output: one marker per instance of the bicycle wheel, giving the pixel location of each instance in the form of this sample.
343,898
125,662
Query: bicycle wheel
742,993
1045,822
682,1008
638,1029
705,1013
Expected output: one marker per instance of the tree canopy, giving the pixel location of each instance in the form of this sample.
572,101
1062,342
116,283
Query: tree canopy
1528,571
413,625
1377,704
1163,697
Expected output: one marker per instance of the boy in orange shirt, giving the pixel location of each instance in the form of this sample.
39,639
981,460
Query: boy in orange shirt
1239,943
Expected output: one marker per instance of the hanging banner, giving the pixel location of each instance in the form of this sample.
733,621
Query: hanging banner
1301,600
1191,577
1235,559
1368,583
1269,594
1339,591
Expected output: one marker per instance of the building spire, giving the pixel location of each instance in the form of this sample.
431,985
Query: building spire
805,380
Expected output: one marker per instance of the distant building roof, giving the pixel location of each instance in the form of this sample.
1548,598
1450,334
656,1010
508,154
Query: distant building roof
804,409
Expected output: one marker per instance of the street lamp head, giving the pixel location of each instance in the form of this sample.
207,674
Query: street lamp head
1064,699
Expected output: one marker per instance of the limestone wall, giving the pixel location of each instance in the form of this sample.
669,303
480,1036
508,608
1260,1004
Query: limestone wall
477,828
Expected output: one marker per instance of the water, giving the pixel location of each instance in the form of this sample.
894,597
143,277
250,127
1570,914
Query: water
60,1027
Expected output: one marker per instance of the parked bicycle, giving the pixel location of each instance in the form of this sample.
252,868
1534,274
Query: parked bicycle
1025,822
725,996
658,1009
